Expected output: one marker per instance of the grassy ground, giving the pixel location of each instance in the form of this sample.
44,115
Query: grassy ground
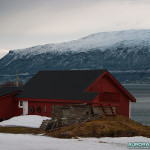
114,126
20,130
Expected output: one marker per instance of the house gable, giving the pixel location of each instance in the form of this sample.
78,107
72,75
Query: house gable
107,83
131,98
111,93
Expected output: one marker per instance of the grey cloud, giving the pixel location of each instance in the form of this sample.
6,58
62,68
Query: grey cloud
27,22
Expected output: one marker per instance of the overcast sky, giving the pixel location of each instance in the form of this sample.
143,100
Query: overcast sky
25,23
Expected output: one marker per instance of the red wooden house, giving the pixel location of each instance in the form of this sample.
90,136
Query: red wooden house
8,105
48,88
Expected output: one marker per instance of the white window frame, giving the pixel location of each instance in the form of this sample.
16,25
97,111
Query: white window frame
129,109
20,104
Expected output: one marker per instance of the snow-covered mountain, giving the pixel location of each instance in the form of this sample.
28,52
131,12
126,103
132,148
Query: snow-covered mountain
102,41
125,53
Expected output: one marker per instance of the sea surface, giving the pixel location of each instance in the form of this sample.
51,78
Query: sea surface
140,111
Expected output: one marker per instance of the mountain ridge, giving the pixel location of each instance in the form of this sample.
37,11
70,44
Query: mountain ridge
97,40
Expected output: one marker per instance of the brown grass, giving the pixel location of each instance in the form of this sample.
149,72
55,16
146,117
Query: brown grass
114,126
20,130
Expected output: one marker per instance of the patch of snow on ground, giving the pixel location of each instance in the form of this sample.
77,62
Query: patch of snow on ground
32,121
32,142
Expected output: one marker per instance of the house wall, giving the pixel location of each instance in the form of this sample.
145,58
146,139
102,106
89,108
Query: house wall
18,111
66,114
9,107
105,84
6,107
46,107
123,109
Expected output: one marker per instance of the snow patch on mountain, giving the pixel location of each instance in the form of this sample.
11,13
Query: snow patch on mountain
101,41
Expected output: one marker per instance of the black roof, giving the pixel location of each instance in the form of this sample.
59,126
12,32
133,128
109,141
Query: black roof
8,90
69,85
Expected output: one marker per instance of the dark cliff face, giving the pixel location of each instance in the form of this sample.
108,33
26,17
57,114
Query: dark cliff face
125,64
128,63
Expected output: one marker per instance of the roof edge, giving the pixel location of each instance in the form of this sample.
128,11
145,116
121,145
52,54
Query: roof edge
10,94
95,81
121,87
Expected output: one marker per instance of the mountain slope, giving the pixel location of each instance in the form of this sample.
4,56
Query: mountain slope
102,40
125,53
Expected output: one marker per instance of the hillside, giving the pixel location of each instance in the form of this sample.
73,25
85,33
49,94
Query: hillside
124,53
114,126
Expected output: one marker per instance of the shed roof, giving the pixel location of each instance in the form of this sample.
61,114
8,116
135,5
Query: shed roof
68,85
8,90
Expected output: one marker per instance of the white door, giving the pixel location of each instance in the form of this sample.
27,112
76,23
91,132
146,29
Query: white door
25,107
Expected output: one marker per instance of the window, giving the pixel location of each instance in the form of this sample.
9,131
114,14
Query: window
20,104
111,96
38,109
31,109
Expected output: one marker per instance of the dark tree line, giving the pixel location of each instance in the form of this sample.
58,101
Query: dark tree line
11,84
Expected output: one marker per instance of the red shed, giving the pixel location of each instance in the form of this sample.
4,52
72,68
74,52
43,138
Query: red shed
92,87
8,106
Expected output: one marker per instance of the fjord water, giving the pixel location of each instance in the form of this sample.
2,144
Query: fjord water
140,111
